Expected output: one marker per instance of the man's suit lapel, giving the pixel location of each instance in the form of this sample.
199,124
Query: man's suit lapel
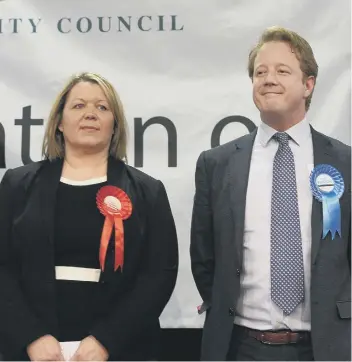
238,172
323,154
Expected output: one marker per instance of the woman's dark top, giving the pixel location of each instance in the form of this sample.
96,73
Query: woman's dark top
78,226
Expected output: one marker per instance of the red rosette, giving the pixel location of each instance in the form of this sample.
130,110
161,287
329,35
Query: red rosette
116,206
110,198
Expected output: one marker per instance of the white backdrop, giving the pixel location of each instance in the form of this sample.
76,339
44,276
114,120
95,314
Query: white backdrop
193,72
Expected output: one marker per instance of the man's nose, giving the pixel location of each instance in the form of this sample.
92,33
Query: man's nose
270,78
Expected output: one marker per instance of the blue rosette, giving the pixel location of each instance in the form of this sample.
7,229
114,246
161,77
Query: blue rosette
327,186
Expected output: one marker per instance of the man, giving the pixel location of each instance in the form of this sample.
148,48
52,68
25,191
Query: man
273,273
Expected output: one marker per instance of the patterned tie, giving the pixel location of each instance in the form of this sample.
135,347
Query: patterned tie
287,273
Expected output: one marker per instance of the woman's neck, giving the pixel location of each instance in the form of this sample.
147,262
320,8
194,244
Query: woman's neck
80,167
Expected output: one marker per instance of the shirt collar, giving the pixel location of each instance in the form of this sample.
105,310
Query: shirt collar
298,133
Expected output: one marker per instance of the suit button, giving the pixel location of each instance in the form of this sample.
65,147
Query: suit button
238,272
231,312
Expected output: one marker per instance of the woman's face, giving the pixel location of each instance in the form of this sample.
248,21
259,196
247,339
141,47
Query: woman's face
88,122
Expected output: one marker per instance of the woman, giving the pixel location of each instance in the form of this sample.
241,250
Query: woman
88,246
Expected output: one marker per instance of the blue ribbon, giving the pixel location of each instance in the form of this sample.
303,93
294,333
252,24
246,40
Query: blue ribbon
331,214
330,200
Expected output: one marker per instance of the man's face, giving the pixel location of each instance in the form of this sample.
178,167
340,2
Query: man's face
278,85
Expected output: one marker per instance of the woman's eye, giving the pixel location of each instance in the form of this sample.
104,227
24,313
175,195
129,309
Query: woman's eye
102,108
78,105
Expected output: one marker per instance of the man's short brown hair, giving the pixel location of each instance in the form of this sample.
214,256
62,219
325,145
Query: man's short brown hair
299,46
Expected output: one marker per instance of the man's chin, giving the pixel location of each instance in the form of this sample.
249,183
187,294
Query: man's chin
274,112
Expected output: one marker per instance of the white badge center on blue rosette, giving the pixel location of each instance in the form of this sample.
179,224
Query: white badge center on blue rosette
327,187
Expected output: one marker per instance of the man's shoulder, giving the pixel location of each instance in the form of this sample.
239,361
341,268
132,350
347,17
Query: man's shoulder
224,151
339,147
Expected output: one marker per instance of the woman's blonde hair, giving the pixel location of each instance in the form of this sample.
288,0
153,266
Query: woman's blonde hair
54,144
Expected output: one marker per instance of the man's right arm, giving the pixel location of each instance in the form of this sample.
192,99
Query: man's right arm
202,241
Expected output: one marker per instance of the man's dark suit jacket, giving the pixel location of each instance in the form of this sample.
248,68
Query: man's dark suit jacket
217,243
27,270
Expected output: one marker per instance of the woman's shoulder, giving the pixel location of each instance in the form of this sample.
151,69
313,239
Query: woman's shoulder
18,174
148,187
143,178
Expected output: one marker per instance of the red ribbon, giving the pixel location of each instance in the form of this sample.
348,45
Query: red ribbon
116,206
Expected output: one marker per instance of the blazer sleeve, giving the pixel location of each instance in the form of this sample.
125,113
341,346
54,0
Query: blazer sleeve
349,247
144,303
202,239
18,324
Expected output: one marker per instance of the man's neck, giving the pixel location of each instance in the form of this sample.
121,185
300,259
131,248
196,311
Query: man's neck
281,123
